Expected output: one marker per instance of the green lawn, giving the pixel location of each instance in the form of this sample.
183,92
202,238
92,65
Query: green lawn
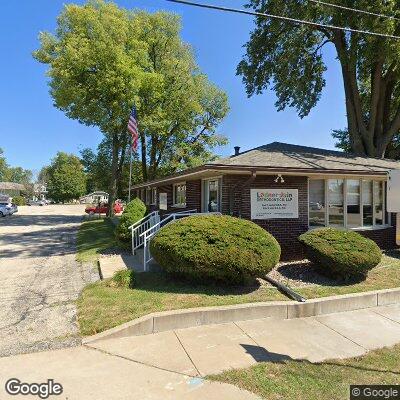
385,276
302,380
94,236
102,307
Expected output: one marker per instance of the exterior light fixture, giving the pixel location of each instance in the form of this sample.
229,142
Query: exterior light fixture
280,179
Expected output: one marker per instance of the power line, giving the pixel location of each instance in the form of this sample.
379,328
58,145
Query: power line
356,10
282,18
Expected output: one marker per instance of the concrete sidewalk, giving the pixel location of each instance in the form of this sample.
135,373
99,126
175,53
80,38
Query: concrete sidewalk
170,365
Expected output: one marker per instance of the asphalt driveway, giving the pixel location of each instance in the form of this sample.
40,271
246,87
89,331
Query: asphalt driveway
40,279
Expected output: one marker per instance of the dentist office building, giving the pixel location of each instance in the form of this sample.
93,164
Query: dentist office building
286,189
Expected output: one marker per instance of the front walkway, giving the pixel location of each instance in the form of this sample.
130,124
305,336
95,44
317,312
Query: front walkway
170,365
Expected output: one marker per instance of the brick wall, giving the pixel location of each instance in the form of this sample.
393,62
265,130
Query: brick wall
193,197
385,238
286,231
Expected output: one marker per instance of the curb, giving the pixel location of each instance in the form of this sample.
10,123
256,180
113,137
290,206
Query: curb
186,318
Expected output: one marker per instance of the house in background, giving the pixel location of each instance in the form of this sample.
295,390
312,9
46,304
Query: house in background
8,190
94,198
39,191
286,189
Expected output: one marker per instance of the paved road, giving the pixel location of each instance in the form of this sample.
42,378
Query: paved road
171,365
40,279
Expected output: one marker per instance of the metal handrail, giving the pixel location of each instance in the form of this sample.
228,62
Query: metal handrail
141,220
173,216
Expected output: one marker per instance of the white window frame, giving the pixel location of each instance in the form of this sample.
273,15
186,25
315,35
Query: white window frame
174,200
153,196
386,219
206,193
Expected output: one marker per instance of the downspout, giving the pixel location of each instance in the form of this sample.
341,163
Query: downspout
239,186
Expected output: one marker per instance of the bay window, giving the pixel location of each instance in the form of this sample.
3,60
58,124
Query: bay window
336,202
347,203
317,202
353,203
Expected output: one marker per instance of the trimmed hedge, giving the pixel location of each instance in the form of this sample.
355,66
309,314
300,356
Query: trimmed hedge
338,253
133,212
215,248
19,201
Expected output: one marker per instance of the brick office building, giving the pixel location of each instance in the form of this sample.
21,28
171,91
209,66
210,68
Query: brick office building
286,189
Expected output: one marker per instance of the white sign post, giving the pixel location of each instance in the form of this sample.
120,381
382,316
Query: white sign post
163,201
274,203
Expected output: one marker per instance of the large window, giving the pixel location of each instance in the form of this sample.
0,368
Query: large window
353,203
350,203
179,196
336,202
317,202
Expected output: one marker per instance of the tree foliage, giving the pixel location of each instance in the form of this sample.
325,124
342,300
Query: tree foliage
66,178
104,59
288,58
13,174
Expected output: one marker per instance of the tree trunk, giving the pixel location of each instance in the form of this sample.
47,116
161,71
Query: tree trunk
114,175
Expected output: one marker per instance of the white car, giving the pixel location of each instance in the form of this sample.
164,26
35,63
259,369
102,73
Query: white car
5,209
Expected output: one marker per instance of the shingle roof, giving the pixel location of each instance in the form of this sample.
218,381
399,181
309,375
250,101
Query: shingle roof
283,155
11,186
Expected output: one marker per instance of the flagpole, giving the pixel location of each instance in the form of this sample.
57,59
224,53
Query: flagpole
130,173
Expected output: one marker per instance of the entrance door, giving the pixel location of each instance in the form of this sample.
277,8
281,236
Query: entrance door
211,195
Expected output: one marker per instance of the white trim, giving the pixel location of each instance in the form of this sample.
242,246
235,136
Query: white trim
174,204
386,224
205,192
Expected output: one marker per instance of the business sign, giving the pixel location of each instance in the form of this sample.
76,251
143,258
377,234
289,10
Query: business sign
163,201
274,203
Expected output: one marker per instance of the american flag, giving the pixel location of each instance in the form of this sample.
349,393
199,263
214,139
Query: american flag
133,128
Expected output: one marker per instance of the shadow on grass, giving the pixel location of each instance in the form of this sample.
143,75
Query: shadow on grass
260,354
161,282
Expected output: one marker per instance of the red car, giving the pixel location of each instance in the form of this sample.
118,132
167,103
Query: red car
103,209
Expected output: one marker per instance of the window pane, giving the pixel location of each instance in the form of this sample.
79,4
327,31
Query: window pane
378,204
353,203
367,203
317,202
336,203
212,196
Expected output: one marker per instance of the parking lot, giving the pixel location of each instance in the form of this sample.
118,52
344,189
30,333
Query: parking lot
39,278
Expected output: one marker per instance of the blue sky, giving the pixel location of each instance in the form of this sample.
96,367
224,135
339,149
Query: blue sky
32,130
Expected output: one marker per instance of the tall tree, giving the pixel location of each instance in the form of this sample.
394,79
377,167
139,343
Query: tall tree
289,58
66,178
97,166
103,59
3,166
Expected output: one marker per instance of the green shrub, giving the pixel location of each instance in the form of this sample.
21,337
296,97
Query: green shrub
133,212
215,248
19,201
338,253
123,279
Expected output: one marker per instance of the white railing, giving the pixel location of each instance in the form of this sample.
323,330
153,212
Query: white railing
151,231
140,226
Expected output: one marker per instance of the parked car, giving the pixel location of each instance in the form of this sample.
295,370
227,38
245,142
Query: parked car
36,203
5,209
103,209
14,208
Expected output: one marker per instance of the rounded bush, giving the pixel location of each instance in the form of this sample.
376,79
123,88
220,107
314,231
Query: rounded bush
338,253
215,248
133,212
19,201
